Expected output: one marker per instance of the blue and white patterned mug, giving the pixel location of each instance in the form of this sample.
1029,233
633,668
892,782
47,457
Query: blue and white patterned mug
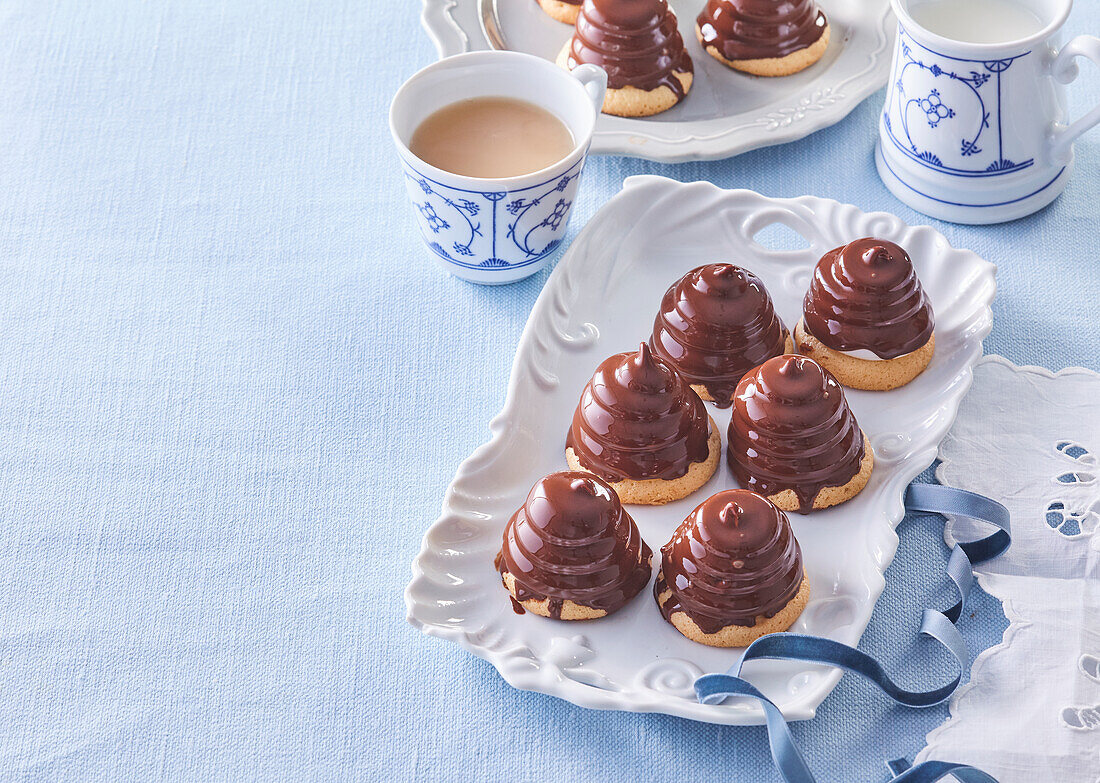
976,132
493,231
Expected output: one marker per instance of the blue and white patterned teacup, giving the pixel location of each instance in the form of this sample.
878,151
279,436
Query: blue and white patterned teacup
493,231
976,132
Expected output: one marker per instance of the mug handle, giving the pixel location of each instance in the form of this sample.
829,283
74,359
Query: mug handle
1064,69
594,80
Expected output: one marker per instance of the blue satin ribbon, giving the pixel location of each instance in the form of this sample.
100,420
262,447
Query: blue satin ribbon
938,625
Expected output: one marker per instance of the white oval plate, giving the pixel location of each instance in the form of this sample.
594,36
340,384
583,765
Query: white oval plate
601,299
726,112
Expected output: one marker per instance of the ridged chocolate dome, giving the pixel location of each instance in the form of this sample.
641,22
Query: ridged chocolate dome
572,540
792,429
760,29
866,295
635,41
638,419
734,559
716,323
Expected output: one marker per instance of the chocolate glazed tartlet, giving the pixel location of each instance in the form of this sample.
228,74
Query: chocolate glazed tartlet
571,552
764,37
732,572
640,427
793,438
716,323
638,44
866,317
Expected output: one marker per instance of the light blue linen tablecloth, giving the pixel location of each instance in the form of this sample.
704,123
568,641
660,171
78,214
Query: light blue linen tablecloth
234,389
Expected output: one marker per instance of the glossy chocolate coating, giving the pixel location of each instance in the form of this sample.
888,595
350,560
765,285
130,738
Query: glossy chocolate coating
792,429
639,419
866,295
716,323
571,540
760,29
734,559
635,41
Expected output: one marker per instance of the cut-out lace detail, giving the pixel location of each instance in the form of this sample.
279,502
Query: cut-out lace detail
1079,517
1084,718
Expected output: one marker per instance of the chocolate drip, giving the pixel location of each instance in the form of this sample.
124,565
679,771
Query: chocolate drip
792,429
734,559
571,540
716,323
760,29
635,41
866,295
638,419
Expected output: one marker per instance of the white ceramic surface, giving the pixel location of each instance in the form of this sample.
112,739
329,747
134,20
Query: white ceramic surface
601,299
494,231
975,132
726,112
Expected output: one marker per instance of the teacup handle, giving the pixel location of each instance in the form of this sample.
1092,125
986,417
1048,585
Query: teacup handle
1064,69
594,80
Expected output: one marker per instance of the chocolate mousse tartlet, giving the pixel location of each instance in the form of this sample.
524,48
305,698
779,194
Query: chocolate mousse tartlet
565,11
793,438
640,427
638,44
764,37
732,572
866,317
716,323
571,552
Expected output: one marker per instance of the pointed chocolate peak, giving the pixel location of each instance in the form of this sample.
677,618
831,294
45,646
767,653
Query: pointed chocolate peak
731,514
792,380
646,373
876,254
791,366
875,263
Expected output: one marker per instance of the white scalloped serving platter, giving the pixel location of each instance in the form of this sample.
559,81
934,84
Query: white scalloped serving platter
601,299
726,112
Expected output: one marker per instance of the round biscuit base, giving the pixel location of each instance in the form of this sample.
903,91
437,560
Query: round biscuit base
561,11
773,66
570,610
632,101
787,500
706,396
741,635
866,374
657,492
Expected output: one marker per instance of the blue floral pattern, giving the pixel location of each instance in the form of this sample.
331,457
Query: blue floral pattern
952,96
493,229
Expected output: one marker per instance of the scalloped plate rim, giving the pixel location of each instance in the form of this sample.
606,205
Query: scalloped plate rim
449,36
925,454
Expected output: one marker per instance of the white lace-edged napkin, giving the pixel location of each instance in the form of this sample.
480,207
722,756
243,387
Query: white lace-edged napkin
1031,439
